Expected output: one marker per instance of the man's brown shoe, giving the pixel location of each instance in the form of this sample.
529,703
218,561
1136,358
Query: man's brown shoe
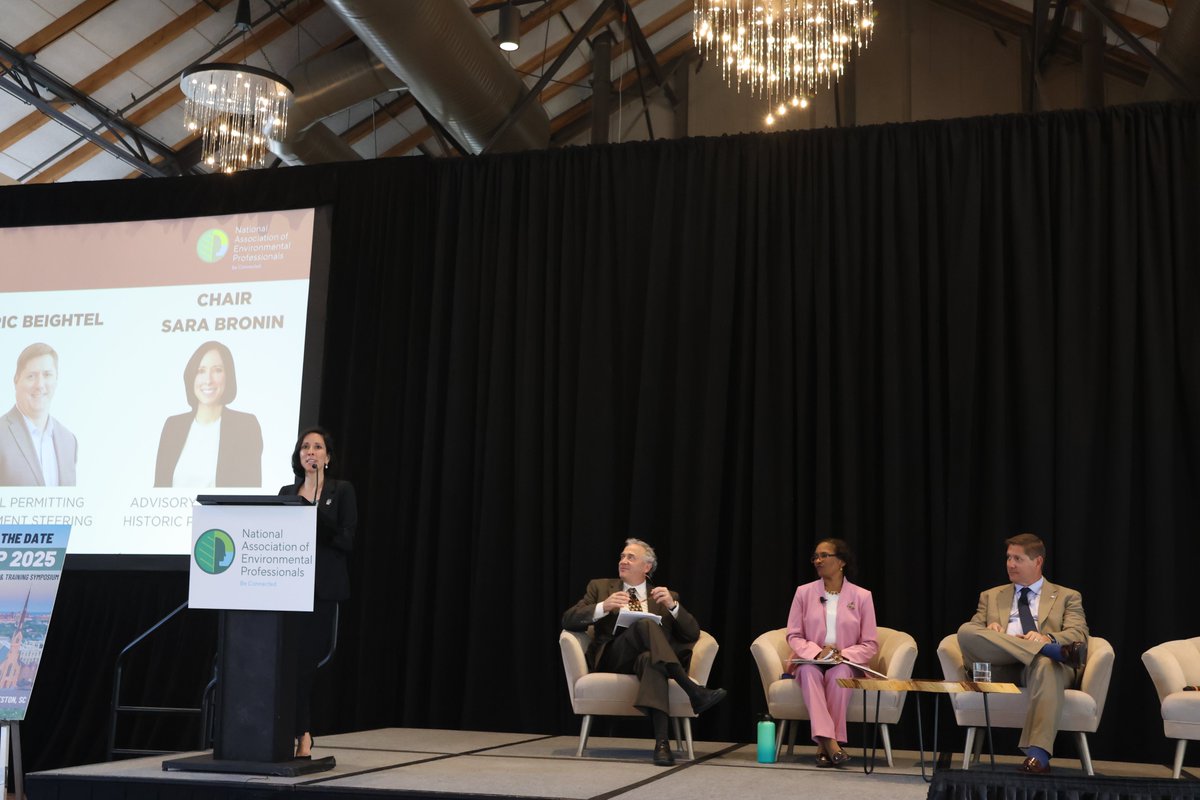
1034,767
1074,654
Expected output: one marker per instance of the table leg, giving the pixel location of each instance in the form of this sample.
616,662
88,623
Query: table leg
921,734
987,718
869,764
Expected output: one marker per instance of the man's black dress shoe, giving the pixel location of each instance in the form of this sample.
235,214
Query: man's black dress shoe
705,699
662,753
1074,654
1034,767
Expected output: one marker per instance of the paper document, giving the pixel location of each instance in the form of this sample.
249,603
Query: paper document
829,662
627,617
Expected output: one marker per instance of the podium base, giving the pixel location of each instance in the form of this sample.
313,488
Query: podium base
283,769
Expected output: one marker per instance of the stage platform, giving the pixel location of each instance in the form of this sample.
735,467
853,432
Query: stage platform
443,764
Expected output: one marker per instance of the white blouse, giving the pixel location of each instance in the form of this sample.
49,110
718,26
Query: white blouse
831,604
197,465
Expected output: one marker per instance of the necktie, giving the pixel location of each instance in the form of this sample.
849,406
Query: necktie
634,603
1027,623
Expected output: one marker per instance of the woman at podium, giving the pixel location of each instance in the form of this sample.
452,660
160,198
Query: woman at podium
337,517
832,623
211,445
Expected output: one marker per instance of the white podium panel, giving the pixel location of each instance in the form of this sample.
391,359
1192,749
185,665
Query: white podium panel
253,558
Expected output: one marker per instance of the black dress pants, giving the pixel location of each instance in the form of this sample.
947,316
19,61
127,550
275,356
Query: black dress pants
643,650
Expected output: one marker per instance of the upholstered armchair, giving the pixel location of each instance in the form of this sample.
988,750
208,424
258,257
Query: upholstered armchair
611,694
1082,706
785,702
1172,666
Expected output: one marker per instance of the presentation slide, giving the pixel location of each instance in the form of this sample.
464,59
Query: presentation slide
151,361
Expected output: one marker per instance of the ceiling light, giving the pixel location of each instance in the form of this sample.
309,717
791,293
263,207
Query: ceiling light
784,49
235,108
510,27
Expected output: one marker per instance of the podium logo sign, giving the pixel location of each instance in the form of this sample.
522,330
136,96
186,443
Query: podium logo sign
214,551
255,558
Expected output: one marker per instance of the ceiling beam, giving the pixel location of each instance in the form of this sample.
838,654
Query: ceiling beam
119,65
548,74
421,135
575,119
63,25
27,80
653,27
1015,21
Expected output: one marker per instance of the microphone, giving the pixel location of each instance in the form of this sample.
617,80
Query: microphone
822,601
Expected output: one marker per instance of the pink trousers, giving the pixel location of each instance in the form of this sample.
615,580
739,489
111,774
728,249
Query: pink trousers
826,701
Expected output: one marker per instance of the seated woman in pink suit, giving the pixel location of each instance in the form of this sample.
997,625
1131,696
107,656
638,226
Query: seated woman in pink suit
832,619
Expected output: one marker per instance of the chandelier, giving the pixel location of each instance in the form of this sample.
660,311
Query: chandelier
781,50
234,107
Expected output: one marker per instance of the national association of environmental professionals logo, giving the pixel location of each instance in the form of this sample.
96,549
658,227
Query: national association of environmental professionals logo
214,551
212,245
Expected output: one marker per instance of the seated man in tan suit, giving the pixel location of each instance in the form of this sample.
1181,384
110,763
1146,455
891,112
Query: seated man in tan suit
1033,633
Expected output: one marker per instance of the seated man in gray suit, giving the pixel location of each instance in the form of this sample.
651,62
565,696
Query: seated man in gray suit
647,649
35,448
1033,633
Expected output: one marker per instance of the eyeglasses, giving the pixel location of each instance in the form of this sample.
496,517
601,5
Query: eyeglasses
817,558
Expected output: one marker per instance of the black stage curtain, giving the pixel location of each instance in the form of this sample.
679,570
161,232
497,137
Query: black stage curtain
921,338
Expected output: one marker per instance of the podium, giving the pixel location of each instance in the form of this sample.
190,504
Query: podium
253,559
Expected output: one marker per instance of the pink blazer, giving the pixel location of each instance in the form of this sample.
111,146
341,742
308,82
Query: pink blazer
855,622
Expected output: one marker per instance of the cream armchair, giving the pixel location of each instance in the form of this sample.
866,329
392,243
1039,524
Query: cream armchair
1172,666
611,694
1082,707
896,656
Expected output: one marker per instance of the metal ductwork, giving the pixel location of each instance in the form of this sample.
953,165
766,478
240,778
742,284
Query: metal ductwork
451,67
1179,50
326,85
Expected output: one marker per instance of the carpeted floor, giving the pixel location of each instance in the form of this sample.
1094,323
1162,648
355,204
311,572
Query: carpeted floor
444,764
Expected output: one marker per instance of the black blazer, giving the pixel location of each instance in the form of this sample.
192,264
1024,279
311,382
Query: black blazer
682,631
337,518
239,455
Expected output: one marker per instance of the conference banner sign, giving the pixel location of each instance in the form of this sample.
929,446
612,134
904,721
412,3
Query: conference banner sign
31,562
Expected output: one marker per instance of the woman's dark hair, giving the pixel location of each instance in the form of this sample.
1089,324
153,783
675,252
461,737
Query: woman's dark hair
297,468
842,551
193,366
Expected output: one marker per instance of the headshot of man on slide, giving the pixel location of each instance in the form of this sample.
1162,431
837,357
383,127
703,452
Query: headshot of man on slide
35,448
211,445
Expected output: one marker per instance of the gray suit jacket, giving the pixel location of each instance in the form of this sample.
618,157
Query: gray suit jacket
18,460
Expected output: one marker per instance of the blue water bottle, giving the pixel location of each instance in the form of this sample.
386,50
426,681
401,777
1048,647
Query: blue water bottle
766,741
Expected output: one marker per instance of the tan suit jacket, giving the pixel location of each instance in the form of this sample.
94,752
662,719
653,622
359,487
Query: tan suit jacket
1060,612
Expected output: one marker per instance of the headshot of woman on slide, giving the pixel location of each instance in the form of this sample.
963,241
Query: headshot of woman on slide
211,445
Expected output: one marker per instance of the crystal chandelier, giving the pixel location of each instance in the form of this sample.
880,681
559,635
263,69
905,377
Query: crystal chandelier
781,50
234,107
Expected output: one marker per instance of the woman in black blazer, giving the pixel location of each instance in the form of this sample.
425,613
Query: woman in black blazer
216,445
337,518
